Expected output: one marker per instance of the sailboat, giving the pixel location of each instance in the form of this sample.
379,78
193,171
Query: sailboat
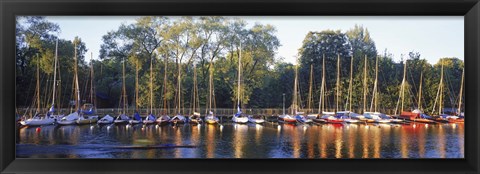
362,117
375,115
73,117
88,115
195,117
285,117
460,114
239,117
329,116
179,118
458,117
164,118
310,114
136,116
415,115
444,117
347,114
256,119
107,119
299,116
150,119
49,119
321,118
123,118
210,118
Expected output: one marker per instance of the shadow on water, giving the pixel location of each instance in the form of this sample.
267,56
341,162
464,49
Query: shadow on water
230,140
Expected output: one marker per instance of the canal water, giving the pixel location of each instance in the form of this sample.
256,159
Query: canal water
230,140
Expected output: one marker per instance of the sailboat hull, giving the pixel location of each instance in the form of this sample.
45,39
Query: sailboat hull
256,120
287,119
88,120
134,121
69,119
106,120
37,122
210,119
178,119
236,119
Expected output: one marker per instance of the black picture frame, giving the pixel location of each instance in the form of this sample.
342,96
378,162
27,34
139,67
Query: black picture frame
470,9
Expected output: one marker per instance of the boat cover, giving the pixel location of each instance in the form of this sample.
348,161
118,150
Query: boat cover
89,112
151,117
136,116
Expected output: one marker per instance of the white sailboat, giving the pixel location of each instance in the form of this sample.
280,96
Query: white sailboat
210,118
195,117
107,119
150,119
299,116
239,117
347,114
378,117
89,115
362,117
136,119
460,114
310,113
328,116
179,118
123,118
256,119
73,117
164,118
49,119
321,116
448,117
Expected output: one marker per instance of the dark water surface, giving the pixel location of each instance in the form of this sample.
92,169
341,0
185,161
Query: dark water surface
270,140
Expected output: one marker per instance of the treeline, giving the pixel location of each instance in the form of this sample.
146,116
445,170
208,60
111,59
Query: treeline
180,44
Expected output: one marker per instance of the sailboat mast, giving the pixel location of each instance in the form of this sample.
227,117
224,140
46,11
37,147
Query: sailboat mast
338,82
38,85
210,87
55,73
179,83
441,93
350,86
165,84
77,106
151,85
136,84
420,93
310,88
375,86
124,92
239,72
91,78
460,95
294,109
403,84
194,86
322,88
365,86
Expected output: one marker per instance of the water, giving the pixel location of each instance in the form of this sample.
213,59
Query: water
270,140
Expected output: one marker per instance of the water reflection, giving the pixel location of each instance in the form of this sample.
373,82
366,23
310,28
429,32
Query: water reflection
239,139
244,141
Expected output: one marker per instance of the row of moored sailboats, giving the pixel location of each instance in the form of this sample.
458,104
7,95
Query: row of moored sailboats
86,115
372,116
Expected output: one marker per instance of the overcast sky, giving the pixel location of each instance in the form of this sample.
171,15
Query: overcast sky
433,37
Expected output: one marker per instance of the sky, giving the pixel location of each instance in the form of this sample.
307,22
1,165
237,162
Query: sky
434,37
